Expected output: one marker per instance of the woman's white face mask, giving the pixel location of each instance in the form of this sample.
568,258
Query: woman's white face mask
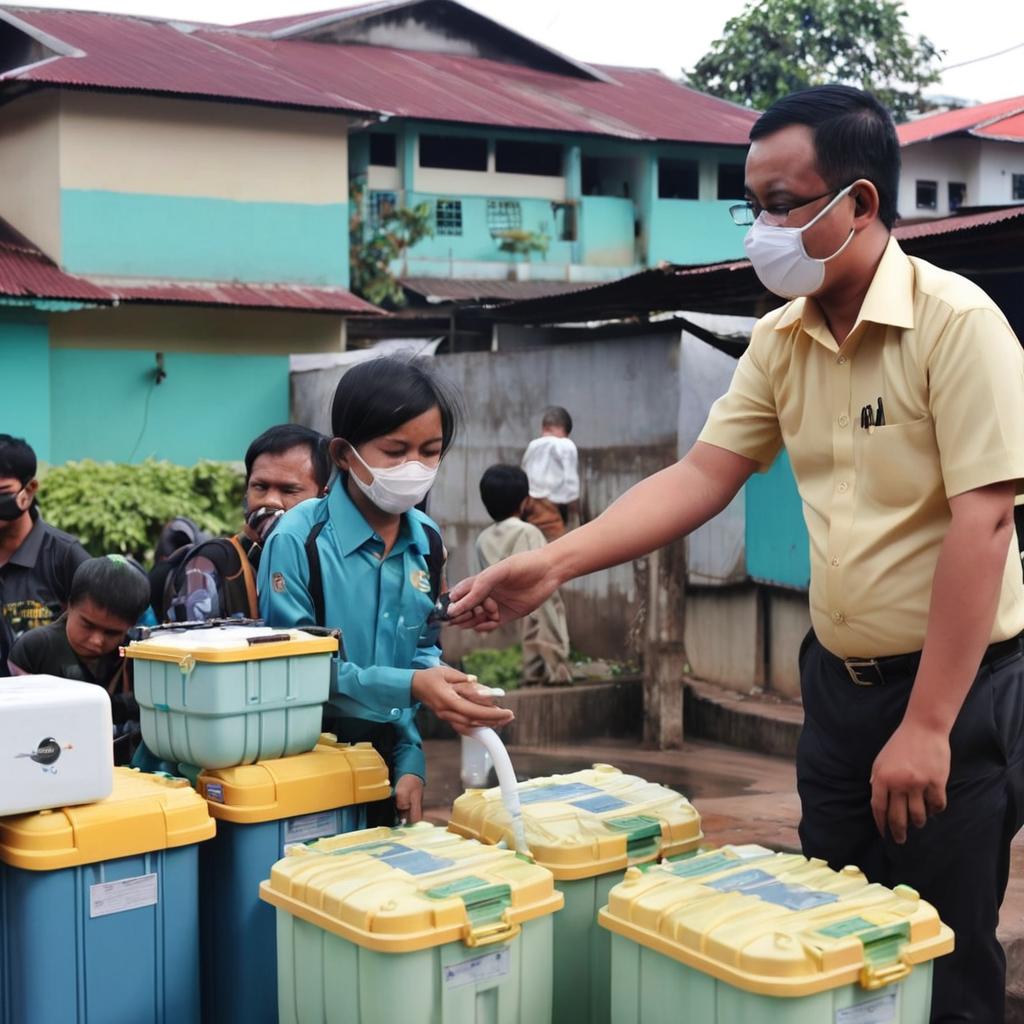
396,489
780,259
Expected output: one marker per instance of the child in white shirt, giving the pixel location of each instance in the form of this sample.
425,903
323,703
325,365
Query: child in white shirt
551,463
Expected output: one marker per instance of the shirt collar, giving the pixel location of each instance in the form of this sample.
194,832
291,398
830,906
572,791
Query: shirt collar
889,299
353,531
27,552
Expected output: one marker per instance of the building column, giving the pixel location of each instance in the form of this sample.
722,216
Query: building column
407,160
574,194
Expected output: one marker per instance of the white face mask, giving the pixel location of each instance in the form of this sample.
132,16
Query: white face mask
780,260
396,489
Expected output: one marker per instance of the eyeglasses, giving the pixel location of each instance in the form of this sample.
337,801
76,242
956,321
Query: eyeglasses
744,214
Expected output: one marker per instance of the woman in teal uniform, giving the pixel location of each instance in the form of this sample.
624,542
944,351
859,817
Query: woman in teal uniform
366,561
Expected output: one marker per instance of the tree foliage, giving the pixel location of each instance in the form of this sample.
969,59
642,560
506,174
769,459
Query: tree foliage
777,46
374,247
114,507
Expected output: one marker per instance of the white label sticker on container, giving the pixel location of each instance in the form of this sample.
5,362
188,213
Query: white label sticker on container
310,826
480,968
880,1010
127,894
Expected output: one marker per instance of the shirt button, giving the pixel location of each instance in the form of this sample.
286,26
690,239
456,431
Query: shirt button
387,615
843,486
838,617
844,420
841,360
395,712
835,561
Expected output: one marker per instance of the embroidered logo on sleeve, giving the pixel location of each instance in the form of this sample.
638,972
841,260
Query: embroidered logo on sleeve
420,579
278,583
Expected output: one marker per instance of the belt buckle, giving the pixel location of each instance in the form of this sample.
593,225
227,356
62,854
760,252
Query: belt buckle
854,666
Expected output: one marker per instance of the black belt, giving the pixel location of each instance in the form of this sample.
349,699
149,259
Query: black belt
879,671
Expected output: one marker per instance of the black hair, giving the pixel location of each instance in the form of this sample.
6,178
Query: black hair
556,416
854,137
17,459
286,436
113,584
378,396
176,534
503,489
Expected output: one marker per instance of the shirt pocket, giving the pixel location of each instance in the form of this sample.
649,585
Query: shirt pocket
898,464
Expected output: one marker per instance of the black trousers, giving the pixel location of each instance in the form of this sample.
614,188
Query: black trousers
959,862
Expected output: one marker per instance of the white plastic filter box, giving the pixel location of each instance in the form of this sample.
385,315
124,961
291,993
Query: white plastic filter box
222,696
56,743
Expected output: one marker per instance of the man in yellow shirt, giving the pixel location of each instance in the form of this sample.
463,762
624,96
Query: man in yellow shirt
897,391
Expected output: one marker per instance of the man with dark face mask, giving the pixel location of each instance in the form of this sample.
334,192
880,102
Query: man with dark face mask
37,561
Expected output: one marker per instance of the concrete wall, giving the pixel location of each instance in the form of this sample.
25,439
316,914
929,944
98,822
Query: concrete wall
30,169
724,636
942,161
999,162
25,372
619,389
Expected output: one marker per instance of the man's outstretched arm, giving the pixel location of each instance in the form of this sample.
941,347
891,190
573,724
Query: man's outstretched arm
651,514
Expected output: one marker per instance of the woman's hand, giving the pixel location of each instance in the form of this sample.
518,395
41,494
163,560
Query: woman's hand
457,699
409,799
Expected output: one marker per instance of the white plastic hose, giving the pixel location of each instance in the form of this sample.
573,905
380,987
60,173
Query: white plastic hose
507,781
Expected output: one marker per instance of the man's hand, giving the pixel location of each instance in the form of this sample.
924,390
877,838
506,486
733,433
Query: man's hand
409,799
908,779
509,590
456,698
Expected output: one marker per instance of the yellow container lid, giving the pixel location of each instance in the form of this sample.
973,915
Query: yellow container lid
776,924
331,775
144,813
219,644
405,889
587,823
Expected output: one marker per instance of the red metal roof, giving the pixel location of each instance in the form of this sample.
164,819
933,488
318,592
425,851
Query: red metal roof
26,273
1010,129
949,225
983,119
122,52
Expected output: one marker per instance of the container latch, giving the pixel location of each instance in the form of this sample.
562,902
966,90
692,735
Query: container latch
883,956
487,908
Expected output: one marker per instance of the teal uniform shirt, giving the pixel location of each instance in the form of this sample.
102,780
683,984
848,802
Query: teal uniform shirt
379,603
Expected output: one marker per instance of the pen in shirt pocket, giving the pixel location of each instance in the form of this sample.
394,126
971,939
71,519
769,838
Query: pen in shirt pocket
869,418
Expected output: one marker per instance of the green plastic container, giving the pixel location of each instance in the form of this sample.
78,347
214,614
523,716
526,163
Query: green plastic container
742,935
411,924
586,828
224,696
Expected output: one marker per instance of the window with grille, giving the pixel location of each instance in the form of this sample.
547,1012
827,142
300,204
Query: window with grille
1018,186
381,207
927,194
957,194
504,215
448,217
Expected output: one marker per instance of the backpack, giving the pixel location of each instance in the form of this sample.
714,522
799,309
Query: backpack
213,579
435,566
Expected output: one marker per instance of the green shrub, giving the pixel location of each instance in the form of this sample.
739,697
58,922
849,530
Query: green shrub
502,668
115,507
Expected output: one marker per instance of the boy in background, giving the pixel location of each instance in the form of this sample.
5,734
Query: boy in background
544,635
552,464
108,595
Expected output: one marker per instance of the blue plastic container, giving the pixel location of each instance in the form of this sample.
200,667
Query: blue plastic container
99,909
262,809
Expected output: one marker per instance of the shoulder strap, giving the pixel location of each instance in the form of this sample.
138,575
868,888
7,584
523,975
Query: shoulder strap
435,560
316,580
248,576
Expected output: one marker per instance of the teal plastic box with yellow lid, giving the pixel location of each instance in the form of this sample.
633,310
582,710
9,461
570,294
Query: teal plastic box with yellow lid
222,696
99,907
586,828
742,935
262,809
413,924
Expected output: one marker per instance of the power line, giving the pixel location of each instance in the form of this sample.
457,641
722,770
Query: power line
975,60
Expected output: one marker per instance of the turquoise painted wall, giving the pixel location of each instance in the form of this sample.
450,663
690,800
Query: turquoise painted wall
606,231
476,243
25,373
209,406
694,231
776,536
130,235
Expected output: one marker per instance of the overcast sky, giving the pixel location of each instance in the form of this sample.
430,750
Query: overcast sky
672,34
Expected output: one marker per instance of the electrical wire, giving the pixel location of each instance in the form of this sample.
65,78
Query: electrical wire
987,56
145,421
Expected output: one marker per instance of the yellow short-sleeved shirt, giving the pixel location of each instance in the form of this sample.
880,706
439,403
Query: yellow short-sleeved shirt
950,373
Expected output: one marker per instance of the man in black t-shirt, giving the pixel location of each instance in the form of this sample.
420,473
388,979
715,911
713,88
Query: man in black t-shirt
37,561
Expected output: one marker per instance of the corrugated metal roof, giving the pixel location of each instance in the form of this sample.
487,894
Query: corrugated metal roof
122,52
1009,129
966,222
251,296
454,289
26,273
977,120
